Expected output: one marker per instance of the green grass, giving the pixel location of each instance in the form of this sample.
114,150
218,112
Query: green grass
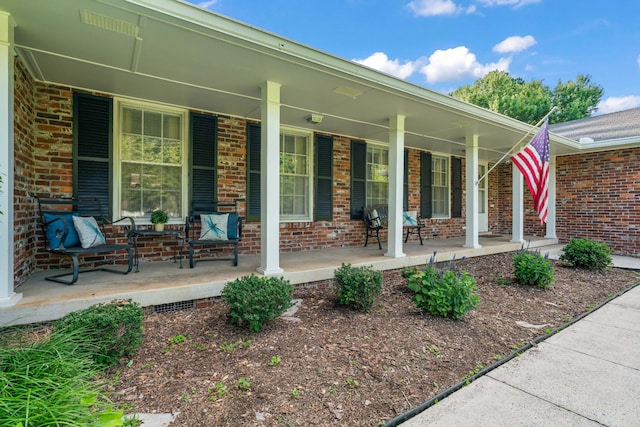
52,382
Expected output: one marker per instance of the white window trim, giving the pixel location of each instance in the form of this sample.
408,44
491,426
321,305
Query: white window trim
310,149
449,179
117,161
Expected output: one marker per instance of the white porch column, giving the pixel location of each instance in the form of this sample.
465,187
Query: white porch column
7,248
471,167
551,215
270,180
396,184
517,205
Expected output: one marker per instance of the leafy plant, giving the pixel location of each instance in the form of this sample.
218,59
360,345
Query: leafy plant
243,384
275,360
586,253
219,389
255,300
51,381
444,291
358,287
351,383
159,217
531,268
228,346
115,327
177,339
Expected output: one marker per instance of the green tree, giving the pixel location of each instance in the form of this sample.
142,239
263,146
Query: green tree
530,101
513,97
575,100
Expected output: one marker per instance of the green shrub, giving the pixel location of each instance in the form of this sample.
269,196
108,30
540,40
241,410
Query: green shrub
531,268
585,253
358,287
51,381
115,327
444,291
257,299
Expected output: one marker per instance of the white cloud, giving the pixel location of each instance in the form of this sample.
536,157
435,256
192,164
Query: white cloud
379,61
457,64
514,44
433,7
638,60
613,104
515,3
207,4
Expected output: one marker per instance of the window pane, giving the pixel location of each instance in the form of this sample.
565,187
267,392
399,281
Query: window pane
131,147
132,120
172,126
152,124
377,176
152,162
172,152
440,186
294,176
287,164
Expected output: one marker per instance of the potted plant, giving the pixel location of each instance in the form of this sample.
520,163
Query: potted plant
159,218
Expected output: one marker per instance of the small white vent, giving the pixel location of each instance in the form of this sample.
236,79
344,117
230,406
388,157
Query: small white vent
348,91
108,23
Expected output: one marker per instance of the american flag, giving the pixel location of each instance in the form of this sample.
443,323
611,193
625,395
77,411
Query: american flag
533,163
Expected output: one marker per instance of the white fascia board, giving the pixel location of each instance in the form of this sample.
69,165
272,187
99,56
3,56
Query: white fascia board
612,144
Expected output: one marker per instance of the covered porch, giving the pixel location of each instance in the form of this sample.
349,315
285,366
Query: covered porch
166,286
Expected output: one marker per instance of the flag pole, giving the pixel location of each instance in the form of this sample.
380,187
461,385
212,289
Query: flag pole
546,116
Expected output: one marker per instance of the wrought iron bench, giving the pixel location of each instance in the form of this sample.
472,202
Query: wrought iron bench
219,224
85,235
376,218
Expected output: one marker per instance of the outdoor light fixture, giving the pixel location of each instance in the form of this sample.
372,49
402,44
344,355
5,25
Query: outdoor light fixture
314,118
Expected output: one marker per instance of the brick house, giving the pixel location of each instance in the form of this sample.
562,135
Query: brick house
305,139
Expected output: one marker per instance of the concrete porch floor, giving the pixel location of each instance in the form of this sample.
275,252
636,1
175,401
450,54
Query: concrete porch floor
164,282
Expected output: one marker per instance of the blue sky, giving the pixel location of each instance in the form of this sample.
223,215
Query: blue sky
444,44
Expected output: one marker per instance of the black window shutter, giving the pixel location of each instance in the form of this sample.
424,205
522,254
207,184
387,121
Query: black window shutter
358,178
406,180
456,187
253,172
204,158
92,137
425,185
324,178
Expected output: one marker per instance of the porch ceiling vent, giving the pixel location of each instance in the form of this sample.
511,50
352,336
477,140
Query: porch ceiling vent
108,23
348,91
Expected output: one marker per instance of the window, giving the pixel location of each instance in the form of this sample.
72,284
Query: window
295,176
440,187
296,171
369,177
150,161
377,175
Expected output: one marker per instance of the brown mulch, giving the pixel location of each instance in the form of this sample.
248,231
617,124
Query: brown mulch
329,365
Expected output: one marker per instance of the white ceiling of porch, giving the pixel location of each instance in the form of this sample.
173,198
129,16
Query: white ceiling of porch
173,52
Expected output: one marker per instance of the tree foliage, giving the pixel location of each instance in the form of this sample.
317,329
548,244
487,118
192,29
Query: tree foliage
575,100
530,101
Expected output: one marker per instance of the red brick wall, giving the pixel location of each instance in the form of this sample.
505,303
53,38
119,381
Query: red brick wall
598,197
25,223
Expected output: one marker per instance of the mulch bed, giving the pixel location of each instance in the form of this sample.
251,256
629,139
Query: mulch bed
329,365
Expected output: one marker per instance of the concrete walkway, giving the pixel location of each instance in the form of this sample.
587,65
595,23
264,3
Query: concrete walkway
586,375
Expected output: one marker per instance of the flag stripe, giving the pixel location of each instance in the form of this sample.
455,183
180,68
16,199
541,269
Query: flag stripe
533,162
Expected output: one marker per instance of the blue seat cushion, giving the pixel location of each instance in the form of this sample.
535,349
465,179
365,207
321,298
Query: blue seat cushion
55,229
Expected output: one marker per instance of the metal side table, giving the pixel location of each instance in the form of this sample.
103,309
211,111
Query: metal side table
177,251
